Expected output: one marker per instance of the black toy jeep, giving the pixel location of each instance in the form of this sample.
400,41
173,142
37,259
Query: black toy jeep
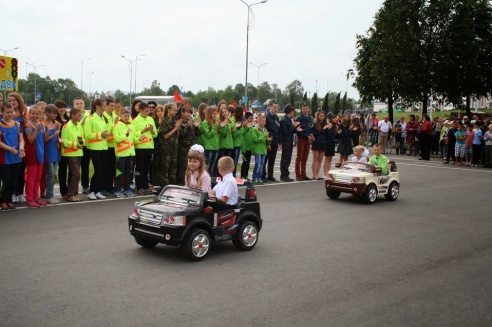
183,216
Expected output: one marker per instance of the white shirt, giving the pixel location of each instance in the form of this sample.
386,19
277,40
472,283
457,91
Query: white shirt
227,187
362,159
384,126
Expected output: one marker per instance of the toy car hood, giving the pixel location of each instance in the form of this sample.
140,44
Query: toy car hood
167,208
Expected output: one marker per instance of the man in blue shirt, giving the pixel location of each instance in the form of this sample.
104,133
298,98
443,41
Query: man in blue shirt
273,127
287,130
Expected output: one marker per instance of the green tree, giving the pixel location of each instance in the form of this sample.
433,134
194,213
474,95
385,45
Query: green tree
292,100
336,106
314,104
304,98
326,105
295,87
344,103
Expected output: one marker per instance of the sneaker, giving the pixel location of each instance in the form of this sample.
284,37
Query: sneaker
100,196
32,204
15,199
41,203
305,178
299,179
141,192
92,196
272,179
119,194
258,182
86,190
43,196
10,206
21,198
129,193
104,193
4,207
52,201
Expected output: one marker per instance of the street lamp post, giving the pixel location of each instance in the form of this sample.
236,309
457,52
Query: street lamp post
247,45
35,85
131,77
136,59
5,51
90,85
82,75
258,66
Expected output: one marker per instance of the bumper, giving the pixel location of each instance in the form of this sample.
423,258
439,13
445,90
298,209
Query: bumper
353,188
165,235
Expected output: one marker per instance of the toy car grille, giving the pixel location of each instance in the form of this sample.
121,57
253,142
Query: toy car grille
149,217
343,179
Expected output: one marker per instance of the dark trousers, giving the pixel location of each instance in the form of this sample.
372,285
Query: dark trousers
21,181
245,165
98,159
450,153
211,156
477,153
8,175
286,158
143,165
270,160
425,145
435,143
109,170
235,156
355,138
73,184
62,175
84,167
123,173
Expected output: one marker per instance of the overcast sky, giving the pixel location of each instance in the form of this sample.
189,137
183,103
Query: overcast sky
198,43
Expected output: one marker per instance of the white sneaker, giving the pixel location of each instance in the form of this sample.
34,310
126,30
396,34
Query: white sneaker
22,198
100,196
92,196
52,201
15,199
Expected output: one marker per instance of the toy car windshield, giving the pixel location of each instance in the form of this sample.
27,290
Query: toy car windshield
357,166
182,195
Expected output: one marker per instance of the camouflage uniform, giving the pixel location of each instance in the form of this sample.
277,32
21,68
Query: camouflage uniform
185,140
156,172
169,152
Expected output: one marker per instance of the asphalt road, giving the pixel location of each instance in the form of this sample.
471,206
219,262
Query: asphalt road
423,260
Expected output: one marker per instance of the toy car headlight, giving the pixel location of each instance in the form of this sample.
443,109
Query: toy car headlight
175,221
359,180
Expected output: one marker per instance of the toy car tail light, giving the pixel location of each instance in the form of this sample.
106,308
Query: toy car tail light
251,194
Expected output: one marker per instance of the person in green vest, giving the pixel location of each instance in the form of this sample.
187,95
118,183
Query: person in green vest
72,143
209,131
109,166
124,138
145,133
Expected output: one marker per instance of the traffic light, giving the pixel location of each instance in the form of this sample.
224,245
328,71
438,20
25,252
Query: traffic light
14,68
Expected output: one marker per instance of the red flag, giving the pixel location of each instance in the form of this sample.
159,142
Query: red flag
177,97
187,103
233,103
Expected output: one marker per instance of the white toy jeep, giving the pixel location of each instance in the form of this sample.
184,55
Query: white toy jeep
364,180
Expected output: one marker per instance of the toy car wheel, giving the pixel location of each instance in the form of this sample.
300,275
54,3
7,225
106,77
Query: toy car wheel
196,244
371,194
145,242
393,192
333,194
246,236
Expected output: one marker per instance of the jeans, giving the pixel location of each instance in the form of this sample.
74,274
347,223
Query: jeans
258,170
50,178
211,156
